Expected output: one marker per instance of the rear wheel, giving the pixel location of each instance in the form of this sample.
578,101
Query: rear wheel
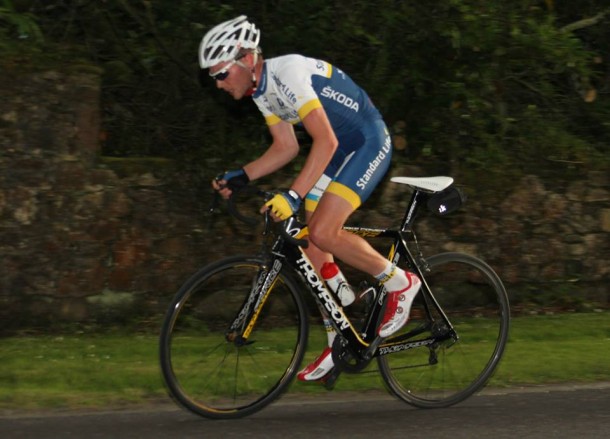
473,298
208,367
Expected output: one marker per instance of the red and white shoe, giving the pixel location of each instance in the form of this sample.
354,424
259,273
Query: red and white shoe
398,307
319,368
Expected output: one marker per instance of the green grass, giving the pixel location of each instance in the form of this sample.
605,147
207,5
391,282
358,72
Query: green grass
78,370
556,349
83,370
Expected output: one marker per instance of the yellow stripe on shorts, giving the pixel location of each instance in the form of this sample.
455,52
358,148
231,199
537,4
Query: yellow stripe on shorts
310,205
346,193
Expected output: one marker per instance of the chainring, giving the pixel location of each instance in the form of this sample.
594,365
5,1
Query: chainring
344,359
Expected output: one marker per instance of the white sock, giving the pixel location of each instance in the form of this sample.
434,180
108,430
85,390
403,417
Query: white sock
393,278
330,332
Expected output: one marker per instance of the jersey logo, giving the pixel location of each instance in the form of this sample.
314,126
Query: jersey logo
368,175
286,91
330,93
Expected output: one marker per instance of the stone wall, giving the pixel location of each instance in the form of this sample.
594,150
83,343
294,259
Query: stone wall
77,238
82,239
549,242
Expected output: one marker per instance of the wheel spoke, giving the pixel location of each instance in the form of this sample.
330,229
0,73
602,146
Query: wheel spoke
473,299
218,376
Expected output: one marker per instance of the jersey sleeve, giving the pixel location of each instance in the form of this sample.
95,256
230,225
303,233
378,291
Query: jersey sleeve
296,84
270,118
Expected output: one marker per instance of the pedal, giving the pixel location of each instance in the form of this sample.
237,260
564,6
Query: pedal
369,295
370,351
330,379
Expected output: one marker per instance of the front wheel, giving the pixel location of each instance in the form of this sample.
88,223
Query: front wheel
475,302
208,365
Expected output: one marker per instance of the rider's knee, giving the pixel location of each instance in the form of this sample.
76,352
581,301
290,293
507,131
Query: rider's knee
321,237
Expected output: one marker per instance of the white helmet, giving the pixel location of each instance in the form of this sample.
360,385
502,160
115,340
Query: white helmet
223,42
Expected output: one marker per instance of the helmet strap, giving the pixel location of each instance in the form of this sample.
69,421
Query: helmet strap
252,71
254,83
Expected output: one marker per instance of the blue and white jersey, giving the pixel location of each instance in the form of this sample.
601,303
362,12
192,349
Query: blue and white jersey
291,86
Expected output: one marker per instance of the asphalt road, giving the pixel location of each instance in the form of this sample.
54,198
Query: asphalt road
550,412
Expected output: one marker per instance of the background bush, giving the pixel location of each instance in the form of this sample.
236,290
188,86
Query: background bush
512,87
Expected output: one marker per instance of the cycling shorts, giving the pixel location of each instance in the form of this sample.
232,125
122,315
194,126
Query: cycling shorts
360,163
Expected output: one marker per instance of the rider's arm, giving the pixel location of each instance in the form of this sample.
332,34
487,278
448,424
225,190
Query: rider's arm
324,145
323,148
283,149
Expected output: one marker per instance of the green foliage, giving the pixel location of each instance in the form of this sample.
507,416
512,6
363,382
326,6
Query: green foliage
493,63
477,85
17,28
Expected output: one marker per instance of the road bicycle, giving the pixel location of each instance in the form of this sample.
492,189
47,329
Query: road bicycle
236,332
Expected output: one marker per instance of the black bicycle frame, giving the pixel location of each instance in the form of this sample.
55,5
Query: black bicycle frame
362,343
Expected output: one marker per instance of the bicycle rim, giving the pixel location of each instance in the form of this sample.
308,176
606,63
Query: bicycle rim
475,301
217,378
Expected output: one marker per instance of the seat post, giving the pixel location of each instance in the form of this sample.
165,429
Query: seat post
412,208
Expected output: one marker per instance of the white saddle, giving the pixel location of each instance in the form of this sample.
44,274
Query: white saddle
432,184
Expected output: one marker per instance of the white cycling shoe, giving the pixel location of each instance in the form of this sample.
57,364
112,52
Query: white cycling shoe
319,368
395,317
398,307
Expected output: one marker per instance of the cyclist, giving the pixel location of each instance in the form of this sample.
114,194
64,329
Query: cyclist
350,153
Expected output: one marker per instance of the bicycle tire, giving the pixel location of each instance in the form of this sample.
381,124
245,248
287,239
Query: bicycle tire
474,299
219,379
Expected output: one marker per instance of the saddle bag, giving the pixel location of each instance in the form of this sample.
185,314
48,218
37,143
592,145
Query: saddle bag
446,201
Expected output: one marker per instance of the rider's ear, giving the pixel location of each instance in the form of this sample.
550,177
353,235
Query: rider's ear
248,57
245,56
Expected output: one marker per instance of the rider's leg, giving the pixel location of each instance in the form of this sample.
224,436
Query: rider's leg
324,362
347,182
316,255
326,236
325,231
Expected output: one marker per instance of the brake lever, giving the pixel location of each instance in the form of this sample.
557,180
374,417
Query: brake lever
214,202
301,242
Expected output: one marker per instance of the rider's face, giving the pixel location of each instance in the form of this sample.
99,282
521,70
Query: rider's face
232,77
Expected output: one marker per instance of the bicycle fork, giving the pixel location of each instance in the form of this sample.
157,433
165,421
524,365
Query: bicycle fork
244,322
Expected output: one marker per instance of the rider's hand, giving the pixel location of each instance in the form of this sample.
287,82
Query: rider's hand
284,204
229,181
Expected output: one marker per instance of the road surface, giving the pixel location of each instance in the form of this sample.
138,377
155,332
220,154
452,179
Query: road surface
551,412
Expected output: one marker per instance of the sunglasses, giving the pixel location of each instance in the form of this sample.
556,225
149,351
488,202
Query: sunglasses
223,73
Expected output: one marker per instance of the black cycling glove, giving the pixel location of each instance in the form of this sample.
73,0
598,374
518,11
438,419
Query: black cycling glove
235,179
